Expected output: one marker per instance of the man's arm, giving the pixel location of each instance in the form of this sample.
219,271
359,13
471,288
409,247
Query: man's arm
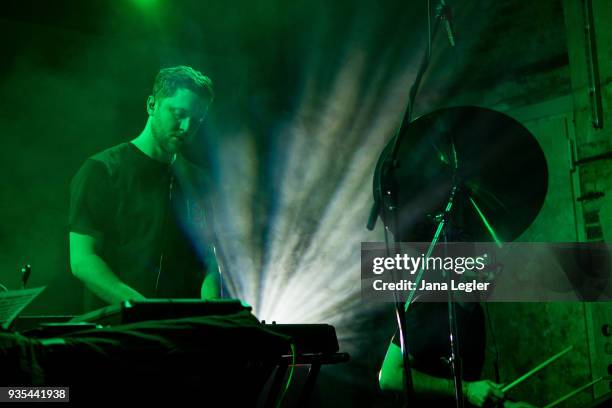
211,286
90,268
391,378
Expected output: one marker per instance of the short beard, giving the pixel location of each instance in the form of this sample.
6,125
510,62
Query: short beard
159,138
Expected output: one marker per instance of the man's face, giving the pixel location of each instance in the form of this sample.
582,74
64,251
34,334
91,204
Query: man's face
175,118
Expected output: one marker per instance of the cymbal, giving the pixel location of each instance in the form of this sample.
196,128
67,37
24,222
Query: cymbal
497,165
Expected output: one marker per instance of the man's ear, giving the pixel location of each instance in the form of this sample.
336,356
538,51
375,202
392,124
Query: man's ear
150,105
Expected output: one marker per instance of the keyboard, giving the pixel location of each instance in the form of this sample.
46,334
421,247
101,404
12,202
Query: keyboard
133,311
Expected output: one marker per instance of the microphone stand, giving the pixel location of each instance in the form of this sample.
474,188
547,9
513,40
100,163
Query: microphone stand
386,202
378,207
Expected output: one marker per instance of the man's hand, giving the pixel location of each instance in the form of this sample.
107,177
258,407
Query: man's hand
479,393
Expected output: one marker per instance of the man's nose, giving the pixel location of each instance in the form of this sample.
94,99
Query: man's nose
184,124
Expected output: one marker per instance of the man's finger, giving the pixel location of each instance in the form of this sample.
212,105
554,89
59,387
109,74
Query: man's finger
495,392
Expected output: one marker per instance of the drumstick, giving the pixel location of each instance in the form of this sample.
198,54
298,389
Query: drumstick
571,394
535,370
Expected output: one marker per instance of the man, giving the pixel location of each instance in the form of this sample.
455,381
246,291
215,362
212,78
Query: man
139,223
429,347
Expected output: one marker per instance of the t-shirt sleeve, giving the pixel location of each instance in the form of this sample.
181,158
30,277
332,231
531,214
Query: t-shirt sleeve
418,319
90,197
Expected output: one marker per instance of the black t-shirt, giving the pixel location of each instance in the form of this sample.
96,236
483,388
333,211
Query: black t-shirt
150,217
428,337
